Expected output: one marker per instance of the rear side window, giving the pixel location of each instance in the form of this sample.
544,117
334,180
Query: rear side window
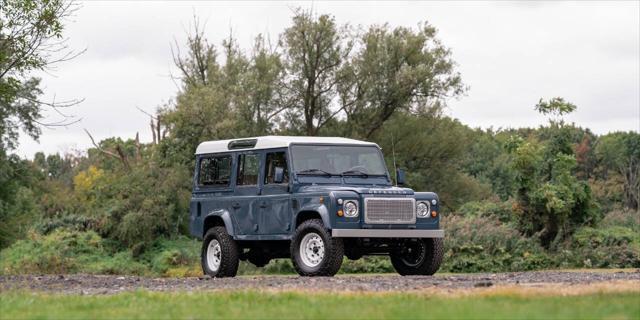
215,171
248,168
275,159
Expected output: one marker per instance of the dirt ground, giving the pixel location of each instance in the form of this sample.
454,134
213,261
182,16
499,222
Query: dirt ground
109,284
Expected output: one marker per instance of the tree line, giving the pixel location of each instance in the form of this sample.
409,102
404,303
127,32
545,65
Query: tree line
549,186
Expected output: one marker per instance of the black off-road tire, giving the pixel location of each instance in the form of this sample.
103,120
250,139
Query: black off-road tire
230,254
333,254
428,266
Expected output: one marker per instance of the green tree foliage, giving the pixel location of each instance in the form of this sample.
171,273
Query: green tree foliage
30,39
555,107
552,201
515,199
396,70
314,50
619,155
431,148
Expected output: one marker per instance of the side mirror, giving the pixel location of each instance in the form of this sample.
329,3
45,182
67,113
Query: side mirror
278,175
400,177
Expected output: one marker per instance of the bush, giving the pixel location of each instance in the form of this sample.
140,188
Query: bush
501,210
175,257
65,251
367,264
484,244
614,244
624,218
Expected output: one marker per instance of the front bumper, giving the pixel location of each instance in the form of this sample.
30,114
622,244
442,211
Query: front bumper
386,233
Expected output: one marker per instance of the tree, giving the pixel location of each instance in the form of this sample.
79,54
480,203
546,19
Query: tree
262,87
431,149
30,39
619,153
396,70
314,50
555,107
552,202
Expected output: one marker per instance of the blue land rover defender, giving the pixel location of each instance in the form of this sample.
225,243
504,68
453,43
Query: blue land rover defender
313,199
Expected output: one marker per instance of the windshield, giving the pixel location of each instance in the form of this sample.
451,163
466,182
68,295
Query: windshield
336,160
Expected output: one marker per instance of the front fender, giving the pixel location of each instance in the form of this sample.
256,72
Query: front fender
319,208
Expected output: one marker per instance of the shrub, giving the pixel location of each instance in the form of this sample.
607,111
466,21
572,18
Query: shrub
174,257
484,244
501,210
606,247
66,251
624,218
367,264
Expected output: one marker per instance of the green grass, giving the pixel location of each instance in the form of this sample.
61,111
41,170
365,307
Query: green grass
253,304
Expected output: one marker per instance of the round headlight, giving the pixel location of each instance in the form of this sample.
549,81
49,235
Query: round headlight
350,209
422,209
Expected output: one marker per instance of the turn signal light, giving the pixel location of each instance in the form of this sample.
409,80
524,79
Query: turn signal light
340,213
434,214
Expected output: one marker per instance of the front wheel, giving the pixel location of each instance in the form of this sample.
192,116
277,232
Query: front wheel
220,254
418,257
314,252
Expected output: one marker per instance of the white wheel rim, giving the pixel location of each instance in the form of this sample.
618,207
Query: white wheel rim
312,249
214,255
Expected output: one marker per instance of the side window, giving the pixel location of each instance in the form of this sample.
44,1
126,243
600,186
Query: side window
248,167
275,159
215,171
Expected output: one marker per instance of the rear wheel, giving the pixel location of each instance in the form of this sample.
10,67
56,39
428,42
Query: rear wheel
219,257
314,252
418,257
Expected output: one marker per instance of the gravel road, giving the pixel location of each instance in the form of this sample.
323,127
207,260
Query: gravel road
106,284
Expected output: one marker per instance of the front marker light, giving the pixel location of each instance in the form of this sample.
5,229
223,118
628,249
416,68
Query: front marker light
434,202
422,209
350,209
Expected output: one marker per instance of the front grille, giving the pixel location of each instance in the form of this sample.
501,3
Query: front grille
389,210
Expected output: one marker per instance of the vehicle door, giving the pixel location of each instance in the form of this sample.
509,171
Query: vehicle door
275,208
247,190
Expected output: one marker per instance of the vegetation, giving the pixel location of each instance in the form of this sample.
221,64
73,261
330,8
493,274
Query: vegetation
513,199
285,305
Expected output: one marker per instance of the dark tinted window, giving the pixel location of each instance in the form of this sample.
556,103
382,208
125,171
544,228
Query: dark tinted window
215,171
248,167
275,159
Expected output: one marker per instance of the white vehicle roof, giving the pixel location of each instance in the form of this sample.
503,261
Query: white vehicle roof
269,142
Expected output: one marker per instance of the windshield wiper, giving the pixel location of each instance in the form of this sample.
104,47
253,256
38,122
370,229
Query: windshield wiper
354,173
314,172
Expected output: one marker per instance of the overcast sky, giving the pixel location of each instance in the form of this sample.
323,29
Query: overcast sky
510,55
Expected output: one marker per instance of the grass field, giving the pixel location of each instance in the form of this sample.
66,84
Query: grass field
279,305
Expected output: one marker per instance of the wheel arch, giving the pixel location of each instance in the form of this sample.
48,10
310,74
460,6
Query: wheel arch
307,214
218,218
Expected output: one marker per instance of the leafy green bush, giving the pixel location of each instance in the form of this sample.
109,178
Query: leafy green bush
475,244
367,264
65,251
502,210
624,218
180,256
614,244
69,222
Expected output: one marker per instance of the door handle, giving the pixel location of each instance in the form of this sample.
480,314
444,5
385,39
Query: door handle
263,204
236,205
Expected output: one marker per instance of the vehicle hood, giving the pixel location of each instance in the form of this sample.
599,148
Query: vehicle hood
390,190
